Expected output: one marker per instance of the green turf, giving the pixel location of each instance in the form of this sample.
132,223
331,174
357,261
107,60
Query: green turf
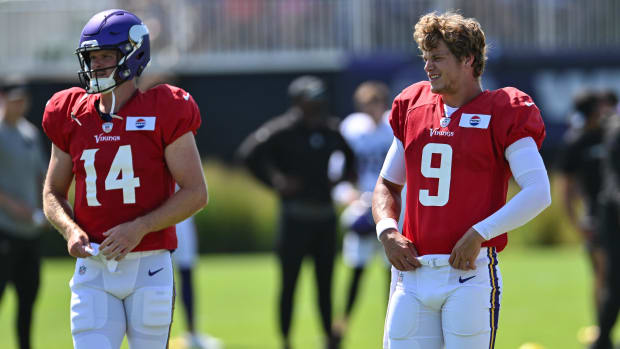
546,299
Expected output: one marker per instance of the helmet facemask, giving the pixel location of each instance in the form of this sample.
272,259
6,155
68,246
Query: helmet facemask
89,78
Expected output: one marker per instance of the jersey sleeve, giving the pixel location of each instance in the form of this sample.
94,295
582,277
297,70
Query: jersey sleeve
412,96
397,117
55,119
520,118
183,116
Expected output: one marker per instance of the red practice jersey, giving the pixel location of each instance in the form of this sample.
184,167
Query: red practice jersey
457,174
119,166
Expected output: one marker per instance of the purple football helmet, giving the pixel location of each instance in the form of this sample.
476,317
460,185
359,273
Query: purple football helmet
118,30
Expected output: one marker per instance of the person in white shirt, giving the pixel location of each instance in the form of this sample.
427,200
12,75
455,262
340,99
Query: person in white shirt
369,134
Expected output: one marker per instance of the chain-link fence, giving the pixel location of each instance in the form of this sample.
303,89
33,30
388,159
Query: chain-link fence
39,37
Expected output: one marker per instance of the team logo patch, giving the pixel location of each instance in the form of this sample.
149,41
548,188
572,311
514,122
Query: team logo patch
82,270
107,127
140,123
444,122
475,120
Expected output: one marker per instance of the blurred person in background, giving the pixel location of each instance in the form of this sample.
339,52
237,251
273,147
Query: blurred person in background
580,165
609,103
21,218
291,154
126,149
368,133
184,258
609,222
455,146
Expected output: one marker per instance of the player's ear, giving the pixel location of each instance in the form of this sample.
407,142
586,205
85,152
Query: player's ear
469,60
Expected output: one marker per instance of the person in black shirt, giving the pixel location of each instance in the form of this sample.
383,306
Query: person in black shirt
580,167
609,229
292,154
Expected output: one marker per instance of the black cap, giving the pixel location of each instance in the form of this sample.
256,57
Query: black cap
14,87
587,103
308,88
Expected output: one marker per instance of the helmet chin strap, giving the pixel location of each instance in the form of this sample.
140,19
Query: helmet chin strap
107,80
114,116
99,84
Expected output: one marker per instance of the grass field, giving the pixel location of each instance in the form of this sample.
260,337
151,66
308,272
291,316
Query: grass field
546,299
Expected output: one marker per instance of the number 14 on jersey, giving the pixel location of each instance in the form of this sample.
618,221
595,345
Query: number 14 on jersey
122,163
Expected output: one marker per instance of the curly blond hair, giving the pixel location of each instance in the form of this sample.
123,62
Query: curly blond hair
463,36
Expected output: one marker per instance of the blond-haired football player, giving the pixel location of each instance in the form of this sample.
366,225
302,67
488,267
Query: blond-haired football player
455,146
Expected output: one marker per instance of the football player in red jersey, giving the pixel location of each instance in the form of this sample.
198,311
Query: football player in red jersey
456,146
126,150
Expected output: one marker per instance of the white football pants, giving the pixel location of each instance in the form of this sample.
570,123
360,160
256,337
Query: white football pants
135,298
437,305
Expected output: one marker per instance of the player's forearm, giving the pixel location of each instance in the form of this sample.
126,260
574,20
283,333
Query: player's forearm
533,198
183,204
528,170
59,213
386,201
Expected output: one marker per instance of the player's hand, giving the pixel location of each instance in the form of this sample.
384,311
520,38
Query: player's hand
399,250
466,250
120,240
77,242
